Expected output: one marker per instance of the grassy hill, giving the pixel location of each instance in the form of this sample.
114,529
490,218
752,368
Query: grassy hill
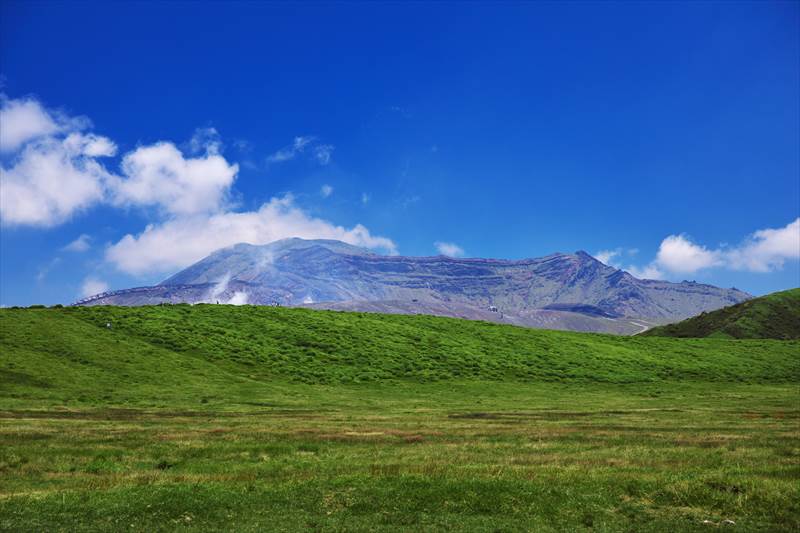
221,418
775,316
201,350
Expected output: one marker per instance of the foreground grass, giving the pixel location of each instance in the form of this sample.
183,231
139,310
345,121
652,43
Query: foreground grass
462,456
215,418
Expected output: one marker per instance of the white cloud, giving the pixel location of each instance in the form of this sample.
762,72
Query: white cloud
181,241
21,121
53,178
160,175
206,140
323,153
24,120
89,145
81,244
680,255
449,249
606,256
92,286
614,257
326,190
297,147
766,249
320,152
280,156
650,271
54,171
364,198
763,251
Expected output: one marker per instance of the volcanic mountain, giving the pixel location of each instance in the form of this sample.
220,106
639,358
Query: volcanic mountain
559,291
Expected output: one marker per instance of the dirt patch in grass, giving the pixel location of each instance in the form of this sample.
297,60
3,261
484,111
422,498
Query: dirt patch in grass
555,414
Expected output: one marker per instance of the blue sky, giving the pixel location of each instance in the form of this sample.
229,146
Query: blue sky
662,137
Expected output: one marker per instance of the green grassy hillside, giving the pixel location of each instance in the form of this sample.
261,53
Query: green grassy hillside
203,350
220,418
775,316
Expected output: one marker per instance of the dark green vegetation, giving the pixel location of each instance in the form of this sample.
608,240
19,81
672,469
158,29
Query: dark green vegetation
219,418
775,316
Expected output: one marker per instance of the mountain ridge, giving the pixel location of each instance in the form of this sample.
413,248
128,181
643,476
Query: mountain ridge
586,293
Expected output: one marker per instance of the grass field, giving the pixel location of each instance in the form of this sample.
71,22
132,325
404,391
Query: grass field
215,418
774,316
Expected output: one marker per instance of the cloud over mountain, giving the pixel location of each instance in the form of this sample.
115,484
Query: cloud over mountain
764,250
449,249
177,242
53,168
92,286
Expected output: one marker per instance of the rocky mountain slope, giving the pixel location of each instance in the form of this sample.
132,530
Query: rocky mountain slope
559,291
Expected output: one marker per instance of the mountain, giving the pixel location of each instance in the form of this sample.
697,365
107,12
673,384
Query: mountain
559,291
775,316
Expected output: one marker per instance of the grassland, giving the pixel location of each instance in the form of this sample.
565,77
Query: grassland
217,418
774,316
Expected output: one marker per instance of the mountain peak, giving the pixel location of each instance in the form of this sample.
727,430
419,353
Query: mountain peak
585,256
328,272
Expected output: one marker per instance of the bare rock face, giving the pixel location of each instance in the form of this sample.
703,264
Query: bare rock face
559,291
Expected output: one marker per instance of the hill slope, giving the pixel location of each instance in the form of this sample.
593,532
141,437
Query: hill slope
212,418
775,316
559,291
170,353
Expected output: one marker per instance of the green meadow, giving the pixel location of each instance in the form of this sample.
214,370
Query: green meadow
774,316
221,418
